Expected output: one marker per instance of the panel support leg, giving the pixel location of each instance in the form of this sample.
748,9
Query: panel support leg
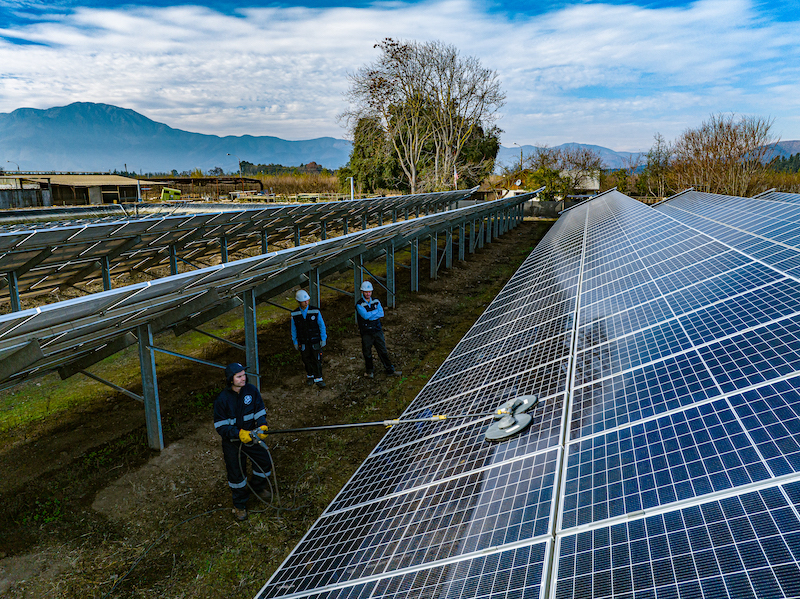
391,285
415,264
147,365
251,337
358,276
313,286
173,260
13,290
105,266
462,236
223,248
434,254
448,249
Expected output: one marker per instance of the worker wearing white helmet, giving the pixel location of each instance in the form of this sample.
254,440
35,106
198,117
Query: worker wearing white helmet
368,314
309,337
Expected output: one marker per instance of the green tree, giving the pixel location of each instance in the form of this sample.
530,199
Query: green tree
371,163
428,101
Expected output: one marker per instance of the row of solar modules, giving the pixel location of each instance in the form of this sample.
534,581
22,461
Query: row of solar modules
663,459
46,258
66,331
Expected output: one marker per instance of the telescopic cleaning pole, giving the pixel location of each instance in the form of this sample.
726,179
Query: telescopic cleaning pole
386,423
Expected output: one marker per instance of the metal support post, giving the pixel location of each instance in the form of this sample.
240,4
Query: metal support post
391,289
380,218
481,232
323,230
223,248
472,237
489,227
173,260
394,215
358,276
105,266
147,365
313,286
251,337
415,264
13,290
297,236
344,225
448,250
364,221
405,213
462,235
434,254
264,241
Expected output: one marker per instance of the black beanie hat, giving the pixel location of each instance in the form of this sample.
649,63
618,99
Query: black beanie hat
232,369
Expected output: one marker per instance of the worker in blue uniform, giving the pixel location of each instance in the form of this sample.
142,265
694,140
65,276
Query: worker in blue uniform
309,337
368,314
239,414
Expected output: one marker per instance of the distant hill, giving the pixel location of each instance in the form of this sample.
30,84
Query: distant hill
614,160
611,158
98,137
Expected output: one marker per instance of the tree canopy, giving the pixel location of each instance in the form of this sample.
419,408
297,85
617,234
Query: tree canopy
428,110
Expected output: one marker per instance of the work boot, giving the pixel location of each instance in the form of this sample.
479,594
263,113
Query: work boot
265,494
309,380
369,375
240,514
321,384
395,373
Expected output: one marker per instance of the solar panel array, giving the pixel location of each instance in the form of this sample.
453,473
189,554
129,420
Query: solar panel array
66,331
54,255
663,460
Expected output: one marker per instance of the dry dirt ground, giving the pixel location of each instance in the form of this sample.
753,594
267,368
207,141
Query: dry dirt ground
89,511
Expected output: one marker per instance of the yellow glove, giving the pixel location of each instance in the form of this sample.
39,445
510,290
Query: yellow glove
244,436
263,432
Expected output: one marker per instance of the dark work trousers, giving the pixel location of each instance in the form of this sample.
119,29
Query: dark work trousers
368,339
236,465
312,360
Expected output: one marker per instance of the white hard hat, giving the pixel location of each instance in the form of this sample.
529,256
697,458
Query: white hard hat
302,296
366,286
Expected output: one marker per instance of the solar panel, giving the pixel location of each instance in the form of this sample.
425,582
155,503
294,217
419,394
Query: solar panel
49,256
69,330
662,458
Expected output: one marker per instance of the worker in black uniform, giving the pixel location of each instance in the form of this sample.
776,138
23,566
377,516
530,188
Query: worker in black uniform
239,414
368,314
309,337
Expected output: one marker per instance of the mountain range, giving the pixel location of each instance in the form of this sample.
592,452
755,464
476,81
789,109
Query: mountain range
85,136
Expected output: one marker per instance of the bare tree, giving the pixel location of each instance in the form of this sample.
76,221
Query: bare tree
464,96
425,95
724,155
657,168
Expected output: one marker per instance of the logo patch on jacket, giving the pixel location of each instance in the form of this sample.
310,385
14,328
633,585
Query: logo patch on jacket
248,399
313,318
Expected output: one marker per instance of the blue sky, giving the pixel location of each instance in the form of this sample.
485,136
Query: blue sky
609,73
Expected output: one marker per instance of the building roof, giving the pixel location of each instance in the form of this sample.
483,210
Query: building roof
90,180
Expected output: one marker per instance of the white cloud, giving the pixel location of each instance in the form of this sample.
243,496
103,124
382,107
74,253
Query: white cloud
605,74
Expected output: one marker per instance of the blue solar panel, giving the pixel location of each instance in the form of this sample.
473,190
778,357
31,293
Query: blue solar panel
663,459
